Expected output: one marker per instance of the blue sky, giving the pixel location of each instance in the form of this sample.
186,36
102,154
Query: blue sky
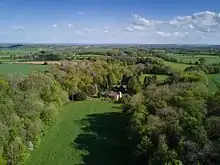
110,21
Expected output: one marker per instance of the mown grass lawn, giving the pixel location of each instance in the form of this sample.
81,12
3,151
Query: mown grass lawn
20,68
85,133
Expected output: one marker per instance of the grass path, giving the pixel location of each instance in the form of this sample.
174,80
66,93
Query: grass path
85,133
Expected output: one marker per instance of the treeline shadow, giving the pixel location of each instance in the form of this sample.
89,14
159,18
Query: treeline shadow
102,138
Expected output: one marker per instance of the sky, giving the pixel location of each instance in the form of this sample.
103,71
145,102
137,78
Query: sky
110,21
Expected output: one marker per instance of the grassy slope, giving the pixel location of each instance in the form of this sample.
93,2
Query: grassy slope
20,68
85,133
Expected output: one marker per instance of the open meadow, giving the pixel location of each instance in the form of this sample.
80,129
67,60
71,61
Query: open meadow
85,133
176,66
38,62
214,82
209,59
8,68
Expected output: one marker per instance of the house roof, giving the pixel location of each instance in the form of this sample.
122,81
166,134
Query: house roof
113,94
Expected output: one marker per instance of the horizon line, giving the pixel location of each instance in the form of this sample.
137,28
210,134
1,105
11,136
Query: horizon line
80,43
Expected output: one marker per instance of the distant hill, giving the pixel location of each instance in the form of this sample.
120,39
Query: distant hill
11,46
125,45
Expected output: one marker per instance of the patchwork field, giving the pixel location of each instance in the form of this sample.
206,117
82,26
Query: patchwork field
85,133
214,82
20,68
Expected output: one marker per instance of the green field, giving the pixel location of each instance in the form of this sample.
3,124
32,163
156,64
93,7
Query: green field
16,52
173,65
213,79
85,133
20,68
159,77
210,59
176,66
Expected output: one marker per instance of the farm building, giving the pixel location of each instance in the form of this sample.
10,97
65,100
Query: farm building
115,95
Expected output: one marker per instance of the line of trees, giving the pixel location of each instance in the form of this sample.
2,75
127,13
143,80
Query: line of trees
28,107
209,69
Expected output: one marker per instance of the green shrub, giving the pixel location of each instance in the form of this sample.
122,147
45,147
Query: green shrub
79,96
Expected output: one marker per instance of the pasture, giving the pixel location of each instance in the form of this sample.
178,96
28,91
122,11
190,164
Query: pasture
210,59
176,66
214,81
16,52
39,62
85,133
20,68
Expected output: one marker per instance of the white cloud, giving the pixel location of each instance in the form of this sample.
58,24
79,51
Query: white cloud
140,20
130,29
191,26
79,32
80,12
203,21
163,34
90,29
172,34
70,25
203,27
173,22
106,27
197,27
180,34
133,27
137,27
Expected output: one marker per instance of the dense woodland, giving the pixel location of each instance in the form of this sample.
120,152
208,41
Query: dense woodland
171,122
